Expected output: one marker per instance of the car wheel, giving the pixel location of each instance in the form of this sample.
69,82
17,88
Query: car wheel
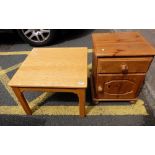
37,37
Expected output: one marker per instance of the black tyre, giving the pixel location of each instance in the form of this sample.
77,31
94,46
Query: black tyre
37,37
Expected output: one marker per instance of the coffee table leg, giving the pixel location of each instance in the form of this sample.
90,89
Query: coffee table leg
22,100
81,95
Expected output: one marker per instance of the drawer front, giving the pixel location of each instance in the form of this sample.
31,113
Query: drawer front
123,65
110,86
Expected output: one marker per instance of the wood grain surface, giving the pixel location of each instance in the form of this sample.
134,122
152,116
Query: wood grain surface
120,63
53,67
121,44
118,86
115,65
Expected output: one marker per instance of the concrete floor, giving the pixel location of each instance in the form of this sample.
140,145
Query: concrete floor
11,114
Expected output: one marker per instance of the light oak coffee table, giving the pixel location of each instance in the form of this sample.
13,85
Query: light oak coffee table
52,70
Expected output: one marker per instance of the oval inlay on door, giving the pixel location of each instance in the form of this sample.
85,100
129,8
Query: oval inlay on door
118,87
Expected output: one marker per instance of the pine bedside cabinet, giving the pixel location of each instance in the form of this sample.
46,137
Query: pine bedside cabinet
120,63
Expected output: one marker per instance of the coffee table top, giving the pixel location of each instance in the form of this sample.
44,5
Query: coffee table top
53,67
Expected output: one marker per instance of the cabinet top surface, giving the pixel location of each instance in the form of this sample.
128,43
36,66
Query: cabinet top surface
53,67
121,44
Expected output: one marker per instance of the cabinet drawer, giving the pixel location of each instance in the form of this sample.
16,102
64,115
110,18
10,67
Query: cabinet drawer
123,65
118,86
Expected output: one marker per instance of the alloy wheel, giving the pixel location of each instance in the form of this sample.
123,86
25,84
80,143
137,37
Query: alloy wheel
36,35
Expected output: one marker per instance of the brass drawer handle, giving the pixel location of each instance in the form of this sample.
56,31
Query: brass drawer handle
124,69
100,89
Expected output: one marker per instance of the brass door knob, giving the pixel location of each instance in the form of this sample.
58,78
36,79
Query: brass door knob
100,89
124,69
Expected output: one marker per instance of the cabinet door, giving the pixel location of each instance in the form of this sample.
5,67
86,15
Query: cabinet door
118,86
